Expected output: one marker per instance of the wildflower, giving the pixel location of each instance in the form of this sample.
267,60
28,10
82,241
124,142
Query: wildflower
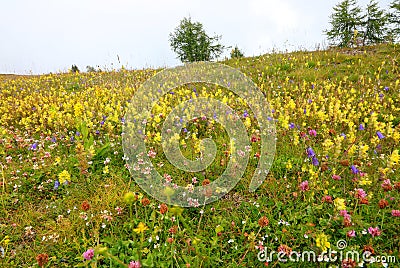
304,186
349,263
140,228
284,249
85,205
263,221
134,264
88,254
56,184
368,248
387,185
145,201
354,169
351,233
336,177
383,203
374,231
380,135
64,176
360,193
310,152
344,162
322,242
327,199
42,259
312,132
395,213
315,161
339,204
129,198
361,127
163,208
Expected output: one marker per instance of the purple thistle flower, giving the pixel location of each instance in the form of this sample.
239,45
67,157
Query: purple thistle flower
380,135
354,169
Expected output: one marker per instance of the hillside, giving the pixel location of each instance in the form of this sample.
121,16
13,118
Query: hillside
335,176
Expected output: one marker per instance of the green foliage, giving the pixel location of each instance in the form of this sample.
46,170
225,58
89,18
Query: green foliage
394,19
375,25
74,69
236,53
346,21
190,41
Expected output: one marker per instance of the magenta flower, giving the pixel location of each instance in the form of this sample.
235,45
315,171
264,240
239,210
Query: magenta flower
360,193
134,264
312,132
88,254
351,233
336,177
304,186
374,231
395,213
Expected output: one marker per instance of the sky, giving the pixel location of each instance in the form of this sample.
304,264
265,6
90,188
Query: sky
43,36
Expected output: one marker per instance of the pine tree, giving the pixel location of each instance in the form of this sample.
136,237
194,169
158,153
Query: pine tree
191,43
346,21
394,19
375,25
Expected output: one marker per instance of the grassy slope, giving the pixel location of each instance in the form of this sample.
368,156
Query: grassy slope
280,76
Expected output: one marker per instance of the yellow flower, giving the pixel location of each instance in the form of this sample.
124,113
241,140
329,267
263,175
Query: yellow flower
322,241
339,204
64,176
106,170
140,228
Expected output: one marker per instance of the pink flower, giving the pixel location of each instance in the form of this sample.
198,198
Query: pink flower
351,233
374,231
304,186
134,264
336,177
88,254
360,193
395,213
312,132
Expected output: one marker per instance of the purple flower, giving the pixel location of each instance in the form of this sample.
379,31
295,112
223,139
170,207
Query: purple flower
34,146
102,122
354,169
343,135
310,152
88,254
315,161
77,133
361,127
386,88
312,132
380,135
56,184
291,125
305,111
54,140
245,114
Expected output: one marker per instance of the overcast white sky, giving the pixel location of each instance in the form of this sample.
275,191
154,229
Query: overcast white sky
42,36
